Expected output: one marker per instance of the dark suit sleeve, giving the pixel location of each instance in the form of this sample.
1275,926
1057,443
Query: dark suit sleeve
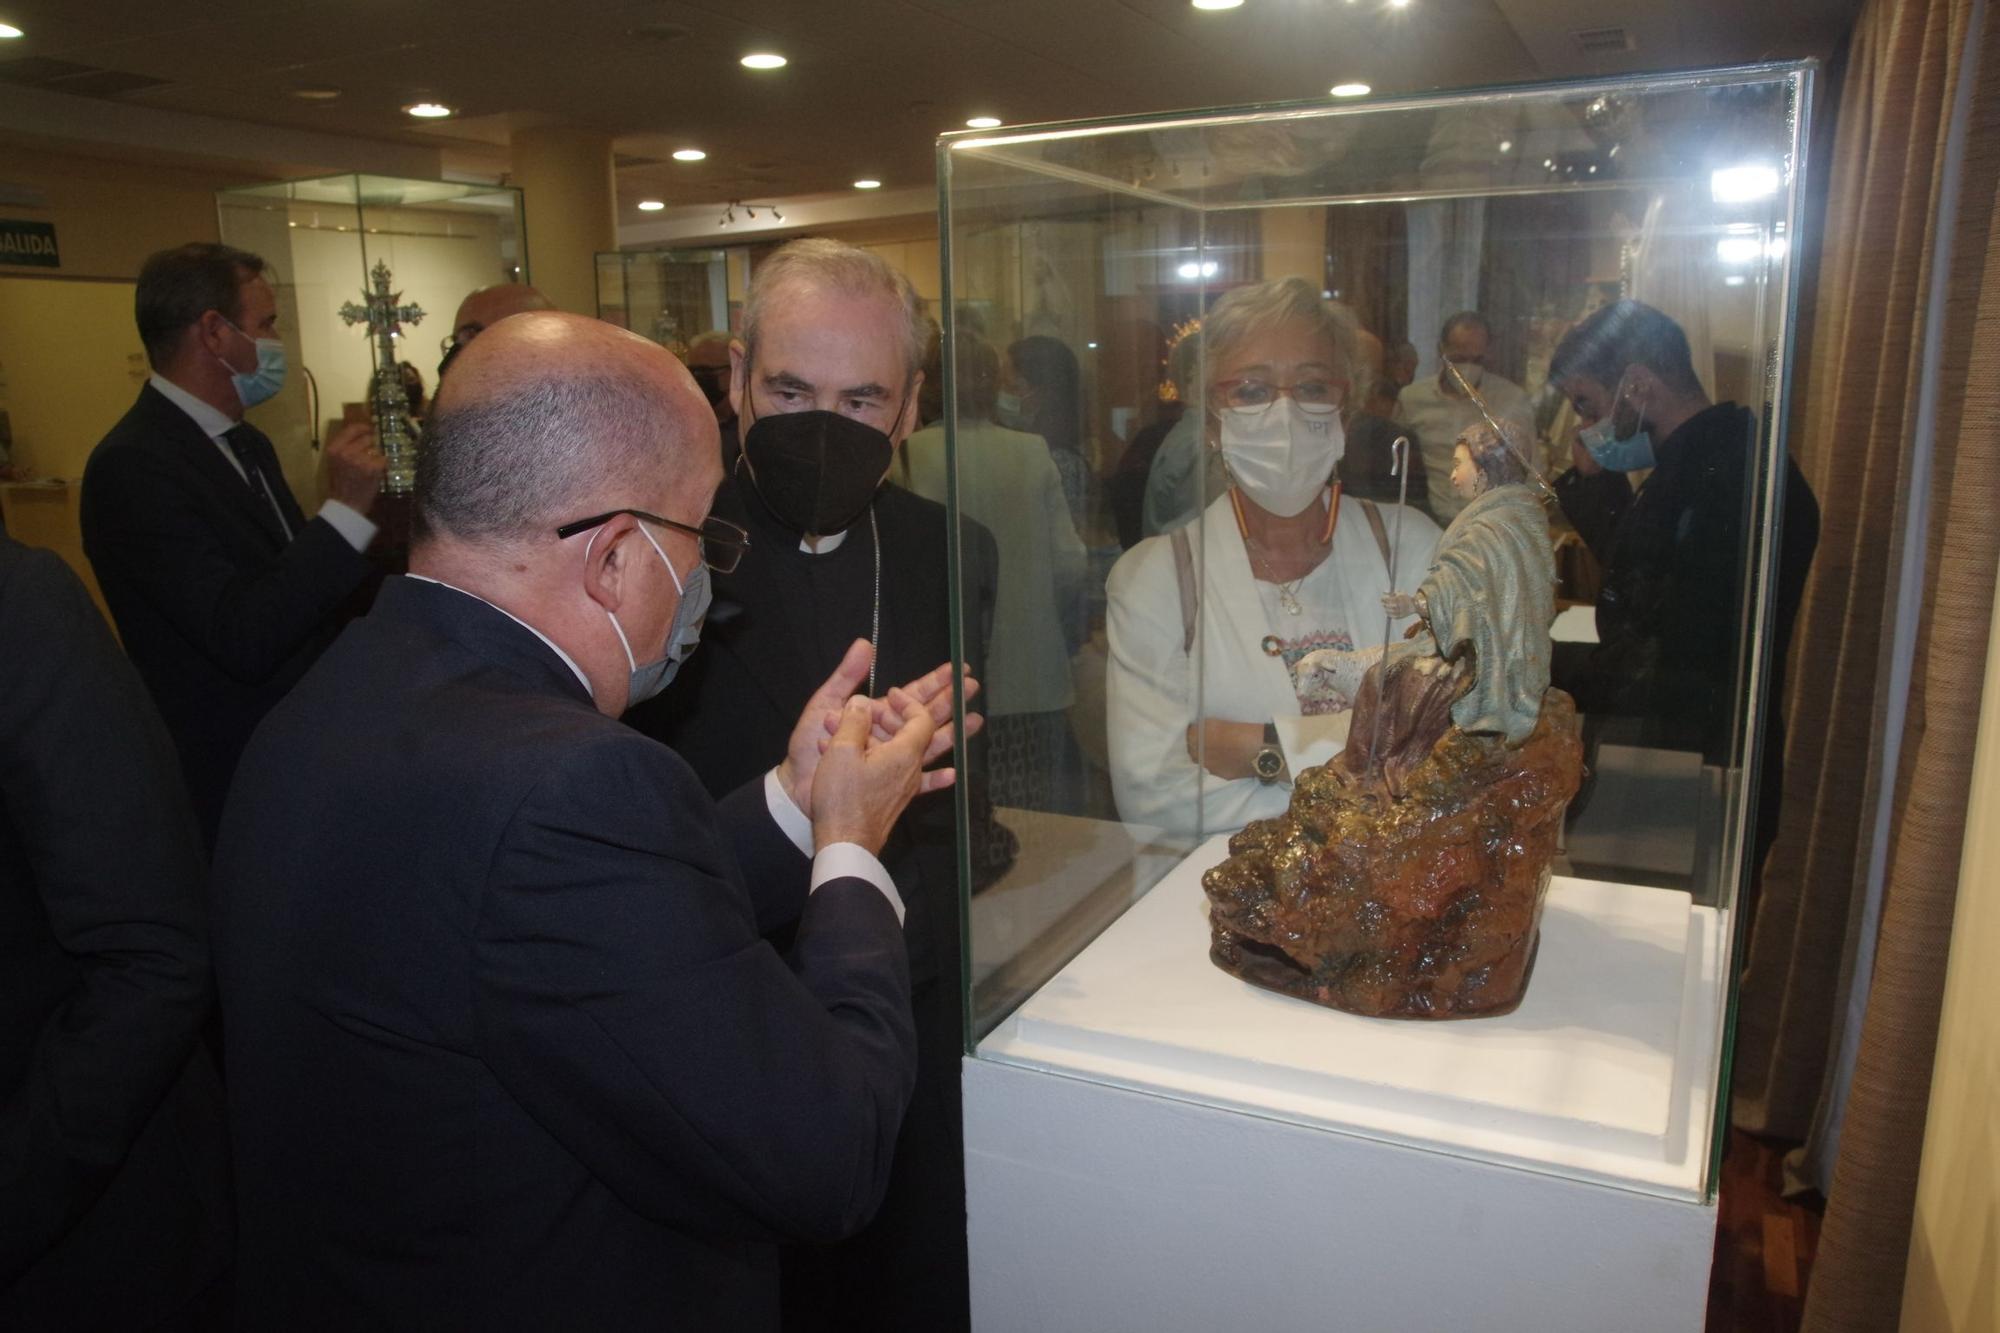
775,871
94,806
623,996
145,529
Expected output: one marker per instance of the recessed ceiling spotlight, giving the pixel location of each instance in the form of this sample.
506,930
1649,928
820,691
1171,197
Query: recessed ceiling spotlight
688,155
322,93
430,110
983,123
1506,145
650,205
866,184
1350,90
1217,4
763,60
8,32
1399,4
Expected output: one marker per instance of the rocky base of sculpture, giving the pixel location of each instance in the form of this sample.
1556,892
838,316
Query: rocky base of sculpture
1428,906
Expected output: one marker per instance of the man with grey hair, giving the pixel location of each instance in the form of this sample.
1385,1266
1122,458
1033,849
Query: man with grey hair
825,386
508,1048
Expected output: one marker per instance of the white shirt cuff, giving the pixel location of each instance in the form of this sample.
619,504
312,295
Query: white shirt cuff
790,819
349,522
840,861
851,860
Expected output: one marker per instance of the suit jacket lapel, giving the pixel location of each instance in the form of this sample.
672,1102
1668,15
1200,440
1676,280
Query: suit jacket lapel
204,455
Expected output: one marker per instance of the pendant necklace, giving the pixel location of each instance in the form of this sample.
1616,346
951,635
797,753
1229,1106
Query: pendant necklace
875,622
1288,593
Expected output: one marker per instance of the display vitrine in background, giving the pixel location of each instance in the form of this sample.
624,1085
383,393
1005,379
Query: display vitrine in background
440,240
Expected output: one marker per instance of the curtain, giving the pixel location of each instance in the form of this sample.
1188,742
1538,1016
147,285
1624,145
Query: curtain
1900,431
1865,1243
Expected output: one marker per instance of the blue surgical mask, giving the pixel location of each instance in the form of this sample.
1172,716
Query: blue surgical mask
1633,453
263,383
649,678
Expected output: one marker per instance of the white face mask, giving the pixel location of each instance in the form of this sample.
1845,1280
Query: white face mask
1282,457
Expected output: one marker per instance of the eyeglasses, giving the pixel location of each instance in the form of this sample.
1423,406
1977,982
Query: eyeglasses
1254,397
722,542
459,337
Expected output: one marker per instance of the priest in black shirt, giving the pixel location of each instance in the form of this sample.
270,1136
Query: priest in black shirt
824,383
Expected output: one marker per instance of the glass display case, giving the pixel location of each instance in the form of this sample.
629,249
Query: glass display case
440,241
673,296
1132,679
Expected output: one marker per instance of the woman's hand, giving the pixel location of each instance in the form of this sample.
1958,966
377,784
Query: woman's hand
1225,749
1399,604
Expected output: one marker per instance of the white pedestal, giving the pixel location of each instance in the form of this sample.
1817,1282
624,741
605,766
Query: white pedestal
1153,1144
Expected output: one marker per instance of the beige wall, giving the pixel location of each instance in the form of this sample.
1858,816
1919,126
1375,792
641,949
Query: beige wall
110,215
72,363
1953,1282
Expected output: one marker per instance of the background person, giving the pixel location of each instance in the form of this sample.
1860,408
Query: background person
223,591
1008,483
1281,565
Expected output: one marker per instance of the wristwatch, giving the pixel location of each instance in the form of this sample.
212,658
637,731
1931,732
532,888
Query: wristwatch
1269,761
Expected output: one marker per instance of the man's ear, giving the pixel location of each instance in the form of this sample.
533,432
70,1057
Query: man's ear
739,375
607,560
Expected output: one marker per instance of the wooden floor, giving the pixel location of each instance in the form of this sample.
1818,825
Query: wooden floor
1763,1244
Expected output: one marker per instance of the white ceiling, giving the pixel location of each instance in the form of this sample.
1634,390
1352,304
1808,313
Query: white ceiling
870,84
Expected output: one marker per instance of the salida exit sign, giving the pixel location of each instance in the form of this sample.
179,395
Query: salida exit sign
29,243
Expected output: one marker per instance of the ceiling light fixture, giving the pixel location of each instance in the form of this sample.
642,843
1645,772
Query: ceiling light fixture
326,93
688,155
763,60
430,110
983,123
8,32
1506,145
650,205
1399,4
1350,90
866,184
1217,4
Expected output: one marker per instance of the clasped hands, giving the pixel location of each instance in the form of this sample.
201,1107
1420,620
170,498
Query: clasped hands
853,763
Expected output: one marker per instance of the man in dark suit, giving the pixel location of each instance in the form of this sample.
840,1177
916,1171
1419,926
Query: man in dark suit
507,1046
223,591
113,1170
825,384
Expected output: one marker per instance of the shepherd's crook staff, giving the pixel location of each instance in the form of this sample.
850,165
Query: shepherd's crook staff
1399,466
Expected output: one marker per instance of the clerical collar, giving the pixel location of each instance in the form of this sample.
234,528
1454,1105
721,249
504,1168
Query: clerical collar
827,544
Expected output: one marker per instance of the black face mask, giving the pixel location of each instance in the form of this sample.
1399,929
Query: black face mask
816,471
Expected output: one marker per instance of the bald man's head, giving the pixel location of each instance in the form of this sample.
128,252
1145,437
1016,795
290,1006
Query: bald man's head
489,305
551,417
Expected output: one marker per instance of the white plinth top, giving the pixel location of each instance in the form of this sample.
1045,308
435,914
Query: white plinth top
1605,1071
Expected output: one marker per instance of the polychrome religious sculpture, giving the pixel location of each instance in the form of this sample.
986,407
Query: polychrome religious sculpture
1406,879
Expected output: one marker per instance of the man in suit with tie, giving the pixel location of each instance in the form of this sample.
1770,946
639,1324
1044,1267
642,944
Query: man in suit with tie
222,589
507,1045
